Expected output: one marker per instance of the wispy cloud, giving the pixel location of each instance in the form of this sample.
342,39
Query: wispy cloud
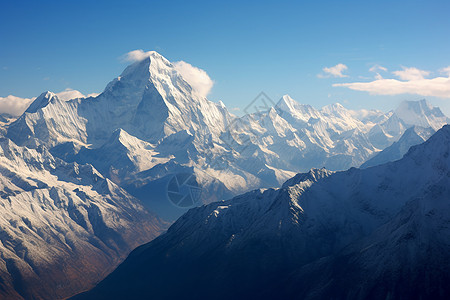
136,55
377,68
411,81
336,71
445,71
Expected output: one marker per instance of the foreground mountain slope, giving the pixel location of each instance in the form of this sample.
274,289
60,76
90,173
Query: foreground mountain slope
407,258
250,244
63,226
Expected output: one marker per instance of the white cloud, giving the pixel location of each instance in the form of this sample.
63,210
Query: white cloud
411,74
377,68
197,78
412,81
13,105
69,93
445,71
335,71
136,55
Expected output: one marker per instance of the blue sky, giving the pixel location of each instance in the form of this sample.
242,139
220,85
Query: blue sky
277,47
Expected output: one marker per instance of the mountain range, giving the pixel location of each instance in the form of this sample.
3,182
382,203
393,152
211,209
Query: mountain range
375,233
86,180
149,124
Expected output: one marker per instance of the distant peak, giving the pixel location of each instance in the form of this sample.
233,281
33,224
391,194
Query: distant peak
421,113
436,147
40,102
146,63
419,104
119,134
422,132
286,103
334,108
121,138
287,100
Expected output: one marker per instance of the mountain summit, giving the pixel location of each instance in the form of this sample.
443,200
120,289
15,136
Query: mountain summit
150,100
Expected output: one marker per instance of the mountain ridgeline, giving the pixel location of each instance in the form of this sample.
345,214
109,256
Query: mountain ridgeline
375,233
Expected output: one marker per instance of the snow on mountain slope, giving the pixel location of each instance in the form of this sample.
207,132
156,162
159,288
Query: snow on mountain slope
150,100
413,136
258,243
122,153
62,226
421,113
169,126
408,114
154,105
368,116
49,121
296,137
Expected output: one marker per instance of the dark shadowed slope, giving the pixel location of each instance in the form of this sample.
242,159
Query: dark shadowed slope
380,233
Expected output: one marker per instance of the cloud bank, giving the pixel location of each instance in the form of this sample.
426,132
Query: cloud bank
13,105
411,81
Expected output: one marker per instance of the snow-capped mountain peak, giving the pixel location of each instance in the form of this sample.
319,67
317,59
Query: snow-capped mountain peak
289,108
40,102
421,113
286,103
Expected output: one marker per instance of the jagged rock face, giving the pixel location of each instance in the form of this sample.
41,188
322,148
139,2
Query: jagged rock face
322,235
63,226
